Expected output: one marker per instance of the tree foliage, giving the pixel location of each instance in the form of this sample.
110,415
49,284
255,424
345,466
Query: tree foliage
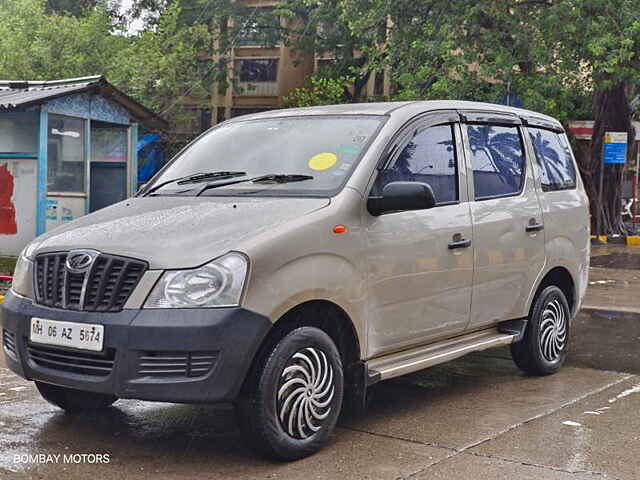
324,32
37,46
572,59
319,91
159,67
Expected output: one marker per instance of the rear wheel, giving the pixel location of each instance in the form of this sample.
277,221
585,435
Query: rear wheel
74,401
543,350
294,399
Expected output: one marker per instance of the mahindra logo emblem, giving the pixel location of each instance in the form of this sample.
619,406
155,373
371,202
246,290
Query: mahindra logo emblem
79,261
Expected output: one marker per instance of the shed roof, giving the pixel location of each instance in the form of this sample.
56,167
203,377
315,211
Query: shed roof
22,94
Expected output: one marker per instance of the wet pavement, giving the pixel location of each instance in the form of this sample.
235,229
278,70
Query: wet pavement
614,279
477,417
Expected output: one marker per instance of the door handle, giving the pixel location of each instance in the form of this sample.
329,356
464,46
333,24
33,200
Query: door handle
534,226
459,244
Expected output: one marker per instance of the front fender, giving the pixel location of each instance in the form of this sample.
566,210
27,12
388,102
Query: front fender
312,277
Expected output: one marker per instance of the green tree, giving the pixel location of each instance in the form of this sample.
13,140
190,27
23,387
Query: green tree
39,46
319,91
601,40
160,67
325,33
572,59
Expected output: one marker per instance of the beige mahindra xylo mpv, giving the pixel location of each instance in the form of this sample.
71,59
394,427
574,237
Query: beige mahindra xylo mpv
288,260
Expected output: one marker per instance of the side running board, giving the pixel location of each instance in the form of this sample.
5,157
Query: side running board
408,361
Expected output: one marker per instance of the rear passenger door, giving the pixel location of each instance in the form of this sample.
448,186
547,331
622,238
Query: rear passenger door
508,227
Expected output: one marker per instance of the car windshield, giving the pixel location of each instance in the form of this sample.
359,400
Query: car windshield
324,148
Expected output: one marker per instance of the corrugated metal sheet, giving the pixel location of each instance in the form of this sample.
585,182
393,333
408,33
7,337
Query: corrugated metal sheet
15,98
21,94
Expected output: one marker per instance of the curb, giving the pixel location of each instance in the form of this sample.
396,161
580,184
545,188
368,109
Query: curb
631,240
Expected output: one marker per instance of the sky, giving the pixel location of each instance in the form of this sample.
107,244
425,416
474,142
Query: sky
135,26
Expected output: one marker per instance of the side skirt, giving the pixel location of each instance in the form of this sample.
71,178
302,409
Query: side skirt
401,363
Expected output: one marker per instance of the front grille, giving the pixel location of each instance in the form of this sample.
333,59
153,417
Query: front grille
176,364
105,287
73,362
9,342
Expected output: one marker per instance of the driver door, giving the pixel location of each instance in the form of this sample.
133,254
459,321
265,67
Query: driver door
420,263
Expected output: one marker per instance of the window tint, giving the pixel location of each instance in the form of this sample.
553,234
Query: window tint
498,160
429,157
554,160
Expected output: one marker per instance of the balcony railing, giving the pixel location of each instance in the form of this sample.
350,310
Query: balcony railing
256,89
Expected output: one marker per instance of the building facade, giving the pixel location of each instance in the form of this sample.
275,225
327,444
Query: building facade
260,77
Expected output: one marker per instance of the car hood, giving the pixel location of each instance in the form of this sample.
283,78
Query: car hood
176,232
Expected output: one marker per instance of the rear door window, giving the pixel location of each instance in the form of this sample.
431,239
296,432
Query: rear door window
497,159
554,160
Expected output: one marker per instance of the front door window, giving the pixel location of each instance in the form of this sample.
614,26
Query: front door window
429,157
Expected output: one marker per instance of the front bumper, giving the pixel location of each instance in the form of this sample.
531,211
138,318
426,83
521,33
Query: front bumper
173,355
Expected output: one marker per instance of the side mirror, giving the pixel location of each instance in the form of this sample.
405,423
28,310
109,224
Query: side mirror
402,196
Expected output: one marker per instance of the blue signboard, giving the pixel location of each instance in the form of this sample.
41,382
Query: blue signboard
615,147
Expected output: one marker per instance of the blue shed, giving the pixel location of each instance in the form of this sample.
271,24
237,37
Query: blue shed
67,148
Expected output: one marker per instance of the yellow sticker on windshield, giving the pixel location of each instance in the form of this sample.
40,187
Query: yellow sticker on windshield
323,161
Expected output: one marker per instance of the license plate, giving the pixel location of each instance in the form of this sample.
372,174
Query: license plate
67,334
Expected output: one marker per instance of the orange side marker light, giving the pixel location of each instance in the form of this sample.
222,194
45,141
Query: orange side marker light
339,229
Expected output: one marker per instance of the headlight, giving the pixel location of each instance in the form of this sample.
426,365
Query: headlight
216,284
22,276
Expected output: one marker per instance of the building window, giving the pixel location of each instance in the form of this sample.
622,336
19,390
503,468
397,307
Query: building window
19,134
257,70
65,155
258,28
205,120
326,64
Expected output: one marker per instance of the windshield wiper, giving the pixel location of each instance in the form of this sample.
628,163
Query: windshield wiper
196,178
271,178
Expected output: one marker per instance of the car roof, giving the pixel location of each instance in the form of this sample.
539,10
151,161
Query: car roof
403,109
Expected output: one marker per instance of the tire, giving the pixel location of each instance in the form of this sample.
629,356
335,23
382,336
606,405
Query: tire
74,401
543,350
293,398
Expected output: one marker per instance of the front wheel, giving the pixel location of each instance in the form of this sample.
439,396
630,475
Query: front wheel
74,401
543,350
293,401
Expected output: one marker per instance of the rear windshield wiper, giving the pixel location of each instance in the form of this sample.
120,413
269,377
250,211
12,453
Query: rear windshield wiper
196,178
271,178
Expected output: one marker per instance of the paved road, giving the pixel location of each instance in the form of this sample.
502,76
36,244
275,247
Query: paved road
477,417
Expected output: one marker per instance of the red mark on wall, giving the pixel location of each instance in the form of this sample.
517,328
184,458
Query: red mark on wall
7,210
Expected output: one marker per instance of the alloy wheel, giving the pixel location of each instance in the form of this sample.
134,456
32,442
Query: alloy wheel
305,393
553,331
